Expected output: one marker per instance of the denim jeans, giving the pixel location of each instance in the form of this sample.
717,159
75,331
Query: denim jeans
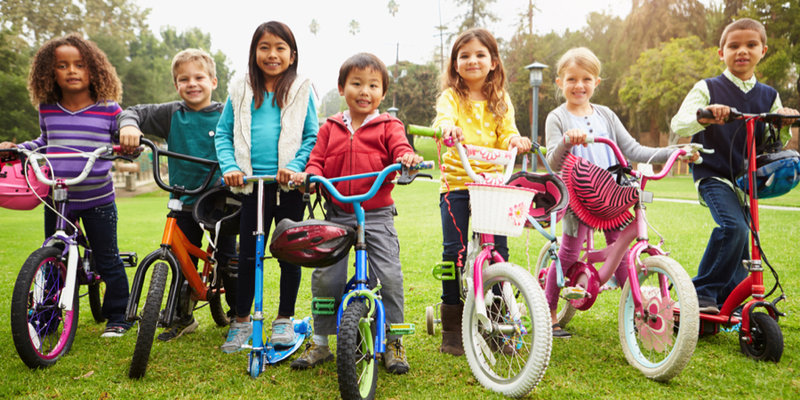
721,269
100,227
455,238
291,206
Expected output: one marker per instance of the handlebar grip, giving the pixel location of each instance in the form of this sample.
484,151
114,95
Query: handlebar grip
703,113
589,139
425,165
419,130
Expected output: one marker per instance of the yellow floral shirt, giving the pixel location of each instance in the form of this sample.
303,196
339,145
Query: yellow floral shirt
479,127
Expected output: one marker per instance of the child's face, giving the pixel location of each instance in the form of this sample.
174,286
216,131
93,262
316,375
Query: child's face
474,62
363,92
72,73
742,52
577,84
274,56
194,85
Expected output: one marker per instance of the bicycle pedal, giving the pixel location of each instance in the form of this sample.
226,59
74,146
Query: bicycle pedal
323,306
444,271
573,293
401,329
129,259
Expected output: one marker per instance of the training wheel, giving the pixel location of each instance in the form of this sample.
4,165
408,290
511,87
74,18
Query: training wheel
430,320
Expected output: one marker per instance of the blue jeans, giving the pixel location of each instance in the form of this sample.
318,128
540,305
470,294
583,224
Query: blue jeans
721,269
291,206
100,227
455,243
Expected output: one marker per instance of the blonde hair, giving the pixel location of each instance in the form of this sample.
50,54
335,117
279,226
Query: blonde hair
103,81
194,55
744,24
582,57
494,86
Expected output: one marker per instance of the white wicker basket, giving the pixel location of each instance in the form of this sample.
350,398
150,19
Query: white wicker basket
499,209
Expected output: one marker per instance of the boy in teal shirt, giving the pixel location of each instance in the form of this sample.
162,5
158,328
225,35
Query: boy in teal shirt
188,126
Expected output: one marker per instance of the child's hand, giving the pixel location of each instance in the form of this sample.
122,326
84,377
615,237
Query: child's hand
410,159
522,144
452,134
721,113
234,178
788,111
299,178
7,145
283,176
129,139
576,136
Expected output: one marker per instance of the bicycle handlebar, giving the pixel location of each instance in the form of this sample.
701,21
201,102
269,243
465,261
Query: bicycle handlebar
91,157
380,178
425,131
177,189
770,118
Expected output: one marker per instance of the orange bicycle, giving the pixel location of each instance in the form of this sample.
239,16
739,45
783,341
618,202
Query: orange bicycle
175,256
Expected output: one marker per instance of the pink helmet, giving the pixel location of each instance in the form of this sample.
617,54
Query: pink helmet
551,195
15,194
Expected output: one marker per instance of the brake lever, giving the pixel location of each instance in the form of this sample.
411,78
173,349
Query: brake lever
406,178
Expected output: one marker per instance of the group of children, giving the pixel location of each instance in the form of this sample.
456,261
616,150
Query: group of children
268,126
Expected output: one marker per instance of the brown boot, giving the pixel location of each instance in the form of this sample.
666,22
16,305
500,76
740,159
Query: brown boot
451,329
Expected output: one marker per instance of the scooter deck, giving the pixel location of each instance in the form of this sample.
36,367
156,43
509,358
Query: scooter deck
271,354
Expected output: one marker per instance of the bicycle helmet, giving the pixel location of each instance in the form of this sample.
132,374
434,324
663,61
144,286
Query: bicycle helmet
311,243
776,174
218,206
15,194
595,198
551,195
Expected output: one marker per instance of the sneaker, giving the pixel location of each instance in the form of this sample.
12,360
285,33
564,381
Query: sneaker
114,331
178,329
559,332
312,356
394,359
706,306
283,333
238,335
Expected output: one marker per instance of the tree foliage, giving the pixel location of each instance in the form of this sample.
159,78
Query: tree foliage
477,14
416,93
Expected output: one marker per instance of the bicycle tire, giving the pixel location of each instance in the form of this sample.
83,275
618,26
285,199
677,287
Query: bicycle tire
567,311
218,312
355,354
518,359
40,329
659,348
767,344
97,291
148,321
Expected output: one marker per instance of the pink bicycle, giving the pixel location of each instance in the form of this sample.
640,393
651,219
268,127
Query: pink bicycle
657,288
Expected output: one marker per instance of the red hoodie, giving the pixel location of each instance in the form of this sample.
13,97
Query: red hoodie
373,146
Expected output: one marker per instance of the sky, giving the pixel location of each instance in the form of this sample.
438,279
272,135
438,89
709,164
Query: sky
231,25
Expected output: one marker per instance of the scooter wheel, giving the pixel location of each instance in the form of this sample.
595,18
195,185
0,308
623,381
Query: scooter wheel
767,339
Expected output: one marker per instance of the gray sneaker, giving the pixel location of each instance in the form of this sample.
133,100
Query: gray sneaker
313,355
283,333
238,335
394,359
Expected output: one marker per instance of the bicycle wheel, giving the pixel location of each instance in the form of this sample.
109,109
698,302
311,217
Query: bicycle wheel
355,354
565,310
653,342
41,330
512,358
148,321
767,344
215,303
97,291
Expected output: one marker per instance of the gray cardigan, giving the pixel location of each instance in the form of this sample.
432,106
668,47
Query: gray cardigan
556,124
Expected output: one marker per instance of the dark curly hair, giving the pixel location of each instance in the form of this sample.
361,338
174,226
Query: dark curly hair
103,81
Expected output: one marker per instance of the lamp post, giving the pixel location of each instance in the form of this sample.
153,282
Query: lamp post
535,70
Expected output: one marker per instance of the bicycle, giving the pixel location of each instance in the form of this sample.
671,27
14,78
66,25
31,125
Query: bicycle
360,317
265,353
657,288
760,336
505,324
174,257
45,301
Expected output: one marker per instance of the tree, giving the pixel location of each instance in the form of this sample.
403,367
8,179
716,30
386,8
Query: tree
655,86
477,14
19,118
330,104
416,93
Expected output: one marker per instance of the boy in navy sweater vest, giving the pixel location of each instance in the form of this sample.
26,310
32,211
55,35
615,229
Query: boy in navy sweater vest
742,45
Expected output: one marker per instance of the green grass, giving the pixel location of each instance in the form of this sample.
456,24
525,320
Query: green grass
590,365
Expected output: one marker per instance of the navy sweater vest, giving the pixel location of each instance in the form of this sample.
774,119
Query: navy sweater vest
728,141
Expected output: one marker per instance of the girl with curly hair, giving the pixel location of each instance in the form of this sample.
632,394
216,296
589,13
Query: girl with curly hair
76,91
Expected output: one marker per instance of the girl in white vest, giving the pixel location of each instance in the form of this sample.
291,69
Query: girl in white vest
268,127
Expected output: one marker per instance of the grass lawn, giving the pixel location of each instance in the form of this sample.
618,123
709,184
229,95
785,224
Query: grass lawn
589,365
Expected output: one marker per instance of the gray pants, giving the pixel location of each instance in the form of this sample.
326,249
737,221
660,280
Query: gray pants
383,258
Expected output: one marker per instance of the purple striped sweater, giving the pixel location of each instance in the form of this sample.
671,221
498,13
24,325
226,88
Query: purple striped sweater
82,130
